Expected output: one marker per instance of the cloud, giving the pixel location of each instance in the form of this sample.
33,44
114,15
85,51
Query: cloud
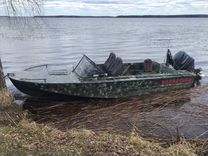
200,4
95,7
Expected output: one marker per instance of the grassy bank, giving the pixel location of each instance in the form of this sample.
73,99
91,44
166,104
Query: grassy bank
21,136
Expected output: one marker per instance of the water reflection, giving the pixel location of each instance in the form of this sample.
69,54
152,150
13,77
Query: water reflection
165,115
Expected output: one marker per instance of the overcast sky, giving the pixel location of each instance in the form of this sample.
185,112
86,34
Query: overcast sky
120,7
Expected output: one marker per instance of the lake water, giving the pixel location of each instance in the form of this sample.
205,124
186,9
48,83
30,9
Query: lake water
25,42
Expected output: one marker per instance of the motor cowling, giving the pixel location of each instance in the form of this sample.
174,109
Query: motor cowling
182,61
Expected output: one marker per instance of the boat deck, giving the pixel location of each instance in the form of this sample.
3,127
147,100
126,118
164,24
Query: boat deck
48,74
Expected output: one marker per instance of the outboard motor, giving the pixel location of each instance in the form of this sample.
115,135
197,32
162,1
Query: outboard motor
180,61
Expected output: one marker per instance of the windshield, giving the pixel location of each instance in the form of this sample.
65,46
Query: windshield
86,68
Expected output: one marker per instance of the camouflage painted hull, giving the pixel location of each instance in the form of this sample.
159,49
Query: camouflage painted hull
36,83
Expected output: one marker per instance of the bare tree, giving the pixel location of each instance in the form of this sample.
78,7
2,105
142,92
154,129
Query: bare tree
6,97
23,7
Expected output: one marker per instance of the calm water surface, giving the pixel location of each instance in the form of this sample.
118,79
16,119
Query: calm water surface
26,42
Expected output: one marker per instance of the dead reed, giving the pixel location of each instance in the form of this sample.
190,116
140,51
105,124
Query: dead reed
6,98
30,138
145,115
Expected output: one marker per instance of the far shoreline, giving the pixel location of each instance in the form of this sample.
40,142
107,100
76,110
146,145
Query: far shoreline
129,16
119,16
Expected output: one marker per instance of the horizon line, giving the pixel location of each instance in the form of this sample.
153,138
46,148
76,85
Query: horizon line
117,16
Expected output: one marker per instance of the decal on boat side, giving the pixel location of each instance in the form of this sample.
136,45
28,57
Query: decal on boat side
175,81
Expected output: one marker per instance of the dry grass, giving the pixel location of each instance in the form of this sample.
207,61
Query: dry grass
142,115
6,98
31,138
89,113
21,136
87,129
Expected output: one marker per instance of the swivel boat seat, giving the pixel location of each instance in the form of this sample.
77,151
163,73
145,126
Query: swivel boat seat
109,62
117,68
113,65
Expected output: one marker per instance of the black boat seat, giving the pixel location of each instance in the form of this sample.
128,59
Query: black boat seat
117,69
110,61
113,65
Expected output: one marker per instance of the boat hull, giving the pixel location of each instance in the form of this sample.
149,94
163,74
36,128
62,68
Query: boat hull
105,89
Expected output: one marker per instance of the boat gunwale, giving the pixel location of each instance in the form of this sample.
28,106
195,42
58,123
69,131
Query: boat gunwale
113,79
